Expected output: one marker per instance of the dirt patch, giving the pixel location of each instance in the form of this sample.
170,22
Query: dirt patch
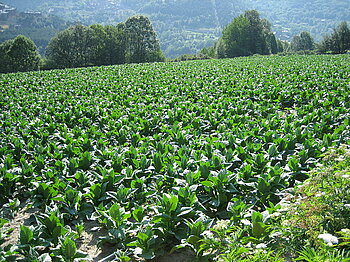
22,217
89,240
182,255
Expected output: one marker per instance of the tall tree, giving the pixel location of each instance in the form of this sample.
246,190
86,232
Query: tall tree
19,55
302,42
256,36
342,37
282,46
141,41
249,34
72,47
108,44
235,37
115,44
338,42
98,53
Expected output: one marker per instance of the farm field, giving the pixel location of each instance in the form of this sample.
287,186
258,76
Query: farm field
144,159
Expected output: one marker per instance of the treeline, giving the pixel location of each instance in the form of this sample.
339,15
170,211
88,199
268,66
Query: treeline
135,41
248,34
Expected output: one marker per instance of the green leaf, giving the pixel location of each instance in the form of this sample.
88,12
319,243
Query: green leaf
68,249
263,185
138,214
3,222
259,229
142,238
193,240
26,235
272,150
257,217
293,164
115,212
207,184
57,232
158,163
170,202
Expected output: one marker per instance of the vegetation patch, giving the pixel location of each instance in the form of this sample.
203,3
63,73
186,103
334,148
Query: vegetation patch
311,223
197,158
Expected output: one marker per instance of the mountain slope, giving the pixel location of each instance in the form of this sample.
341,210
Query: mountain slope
186,26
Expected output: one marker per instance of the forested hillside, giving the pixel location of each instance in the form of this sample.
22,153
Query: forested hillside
186,26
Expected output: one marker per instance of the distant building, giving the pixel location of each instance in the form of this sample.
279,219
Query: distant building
11,10
6,12
32,13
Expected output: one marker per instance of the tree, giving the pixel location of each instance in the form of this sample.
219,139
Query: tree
98,52
344,35
207,52
72,47
302,42
256,36
338,42
19,55
282,46
133,41
141,41
271,43
115,44
87,45
248,34
220,48
4,58
108,44
235,38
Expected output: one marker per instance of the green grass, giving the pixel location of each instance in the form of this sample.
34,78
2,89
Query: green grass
169,155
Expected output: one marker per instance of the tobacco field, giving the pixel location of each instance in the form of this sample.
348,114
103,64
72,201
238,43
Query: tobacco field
162,156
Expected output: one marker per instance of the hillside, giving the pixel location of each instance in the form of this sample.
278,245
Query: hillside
186,26
40,27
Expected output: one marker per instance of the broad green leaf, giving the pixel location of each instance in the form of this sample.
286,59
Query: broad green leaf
26,235
68,249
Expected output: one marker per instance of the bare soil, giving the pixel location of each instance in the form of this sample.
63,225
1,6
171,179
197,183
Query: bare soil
88,243
22,217
182,255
